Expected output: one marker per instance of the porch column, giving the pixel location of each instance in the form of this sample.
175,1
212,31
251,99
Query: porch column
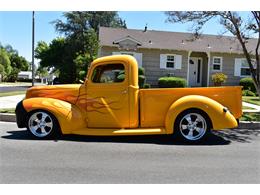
208,55
188,68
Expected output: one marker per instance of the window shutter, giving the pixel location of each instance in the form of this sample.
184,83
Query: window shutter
178,61
163,61
237,67
139,59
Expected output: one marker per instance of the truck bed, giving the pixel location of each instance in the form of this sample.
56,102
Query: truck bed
154,116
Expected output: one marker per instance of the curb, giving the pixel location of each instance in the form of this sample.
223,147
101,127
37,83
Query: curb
249,125
5,117
242,124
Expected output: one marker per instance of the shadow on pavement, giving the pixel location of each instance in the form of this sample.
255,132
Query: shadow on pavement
215,138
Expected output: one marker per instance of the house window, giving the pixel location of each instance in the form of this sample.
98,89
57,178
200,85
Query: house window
170,61
127,53
245,70
217,64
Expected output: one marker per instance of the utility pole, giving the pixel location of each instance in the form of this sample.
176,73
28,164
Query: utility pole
33,68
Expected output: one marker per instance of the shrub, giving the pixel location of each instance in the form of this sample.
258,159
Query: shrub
219,78
82,75
141,77
147,85
172,82
248,84
248,93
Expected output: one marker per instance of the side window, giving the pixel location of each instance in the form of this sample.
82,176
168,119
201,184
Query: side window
109,73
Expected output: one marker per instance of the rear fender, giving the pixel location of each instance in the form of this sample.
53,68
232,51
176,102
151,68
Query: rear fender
217,113
68,115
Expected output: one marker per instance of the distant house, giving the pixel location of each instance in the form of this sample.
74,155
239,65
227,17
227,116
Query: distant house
24,75
176,54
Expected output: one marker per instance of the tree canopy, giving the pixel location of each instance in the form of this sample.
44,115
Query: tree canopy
72,53
233,22
11,63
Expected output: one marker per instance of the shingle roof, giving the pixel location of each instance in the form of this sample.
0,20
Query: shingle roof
174,40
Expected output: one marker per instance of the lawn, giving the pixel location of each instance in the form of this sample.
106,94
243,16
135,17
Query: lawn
252,100
7,110
247,108
10,93
250,117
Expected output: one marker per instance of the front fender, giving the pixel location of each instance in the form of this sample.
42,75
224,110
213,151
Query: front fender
219,117
68,115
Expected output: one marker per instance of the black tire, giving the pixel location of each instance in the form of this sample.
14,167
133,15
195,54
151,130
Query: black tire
194,131
43,125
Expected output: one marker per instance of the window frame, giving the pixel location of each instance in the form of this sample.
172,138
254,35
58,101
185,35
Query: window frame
166,61
112,83
241,66
220,63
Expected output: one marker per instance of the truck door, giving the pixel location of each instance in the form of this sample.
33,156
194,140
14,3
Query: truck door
107,96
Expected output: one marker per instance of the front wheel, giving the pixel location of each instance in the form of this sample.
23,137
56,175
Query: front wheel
192,125
42,124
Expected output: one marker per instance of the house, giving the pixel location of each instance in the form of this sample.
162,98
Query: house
178,54
24,75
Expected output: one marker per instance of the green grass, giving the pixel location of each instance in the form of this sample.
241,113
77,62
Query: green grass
7,110
2,94
252,100
250,117
247,108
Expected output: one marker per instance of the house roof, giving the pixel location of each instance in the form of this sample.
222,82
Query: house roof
173,40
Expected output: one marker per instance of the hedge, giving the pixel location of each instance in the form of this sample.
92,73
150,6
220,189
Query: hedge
248,84
171,82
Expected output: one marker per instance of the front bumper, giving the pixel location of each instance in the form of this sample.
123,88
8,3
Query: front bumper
21,115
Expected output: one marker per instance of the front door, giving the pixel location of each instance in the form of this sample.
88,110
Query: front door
195,72
107,97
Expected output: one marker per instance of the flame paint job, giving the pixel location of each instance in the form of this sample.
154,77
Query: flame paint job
113,109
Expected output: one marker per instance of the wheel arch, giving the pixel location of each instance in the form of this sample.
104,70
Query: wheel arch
215,111
65,113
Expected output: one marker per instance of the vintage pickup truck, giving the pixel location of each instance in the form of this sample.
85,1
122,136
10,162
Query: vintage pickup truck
106,105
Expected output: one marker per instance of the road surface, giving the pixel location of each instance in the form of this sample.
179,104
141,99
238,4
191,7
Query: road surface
228,157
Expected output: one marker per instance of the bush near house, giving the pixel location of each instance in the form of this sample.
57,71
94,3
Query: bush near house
248,93
219,78
147,86
248,84
171,82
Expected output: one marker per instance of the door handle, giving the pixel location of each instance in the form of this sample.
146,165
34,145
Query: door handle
124,91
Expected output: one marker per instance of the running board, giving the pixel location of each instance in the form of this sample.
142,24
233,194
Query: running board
114,132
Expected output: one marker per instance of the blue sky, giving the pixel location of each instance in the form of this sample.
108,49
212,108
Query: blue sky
15,27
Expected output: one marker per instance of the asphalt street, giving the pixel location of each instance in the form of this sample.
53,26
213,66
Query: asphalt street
231,156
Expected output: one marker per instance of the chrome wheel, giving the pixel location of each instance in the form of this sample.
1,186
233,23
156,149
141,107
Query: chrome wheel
40,124
193,126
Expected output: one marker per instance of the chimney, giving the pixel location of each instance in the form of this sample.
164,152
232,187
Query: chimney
145,28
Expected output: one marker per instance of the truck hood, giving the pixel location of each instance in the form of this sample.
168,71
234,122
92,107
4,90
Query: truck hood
68,93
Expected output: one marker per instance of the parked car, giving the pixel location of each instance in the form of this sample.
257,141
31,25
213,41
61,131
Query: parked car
106,105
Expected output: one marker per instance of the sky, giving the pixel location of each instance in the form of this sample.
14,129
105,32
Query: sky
16,27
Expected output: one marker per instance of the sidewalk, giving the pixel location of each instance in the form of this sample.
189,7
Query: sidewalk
255,107
10,101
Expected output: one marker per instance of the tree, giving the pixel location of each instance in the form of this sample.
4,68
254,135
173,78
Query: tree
5,64
72,54
17,63
232,22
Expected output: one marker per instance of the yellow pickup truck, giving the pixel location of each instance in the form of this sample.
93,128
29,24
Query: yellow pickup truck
109,104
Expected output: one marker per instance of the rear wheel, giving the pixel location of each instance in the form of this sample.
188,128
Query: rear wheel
192,125
43,124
